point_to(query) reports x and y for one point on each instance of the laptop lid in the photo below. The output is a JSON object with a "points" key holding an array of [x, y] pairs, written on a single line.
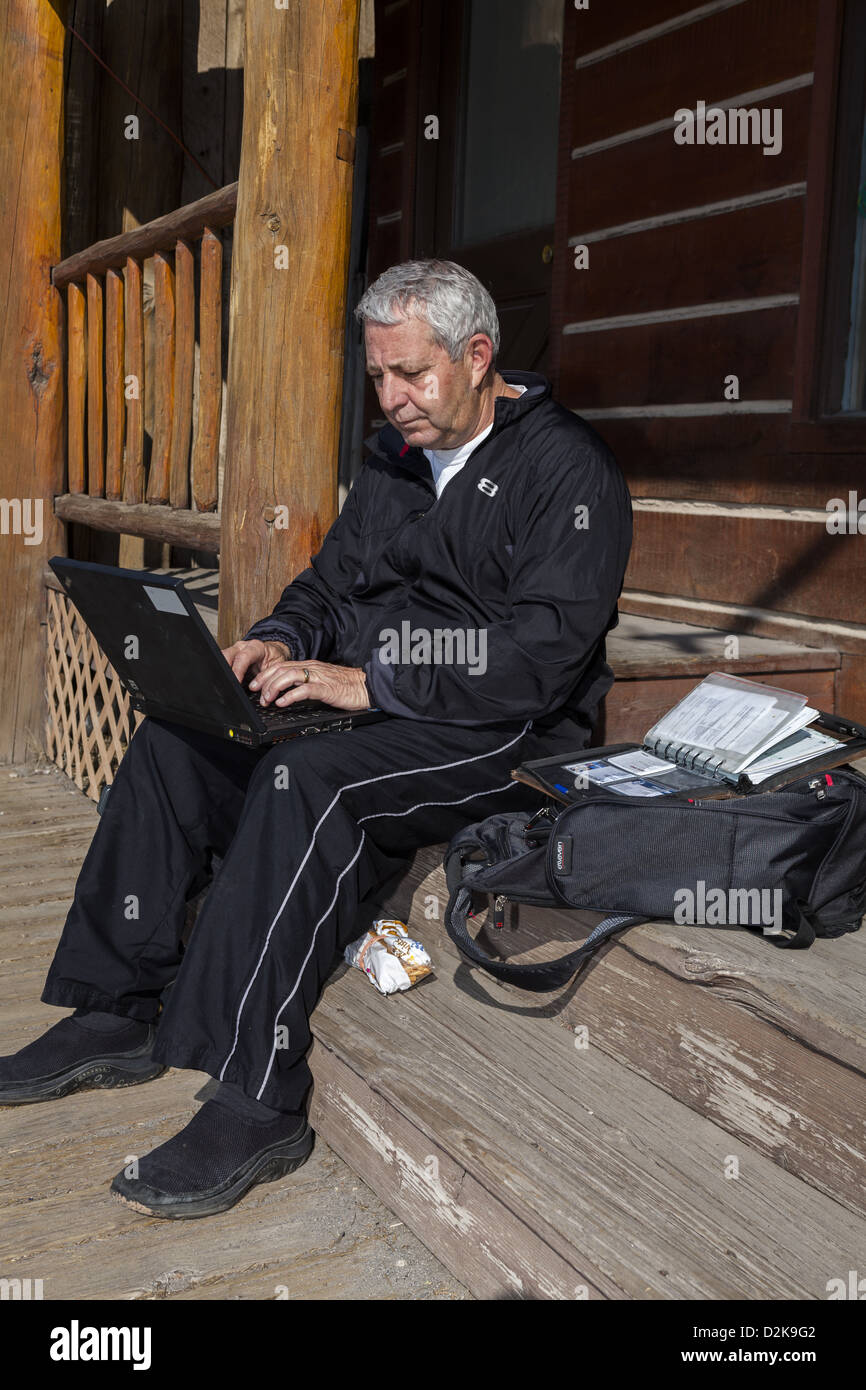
{"points": [[157, 641]]}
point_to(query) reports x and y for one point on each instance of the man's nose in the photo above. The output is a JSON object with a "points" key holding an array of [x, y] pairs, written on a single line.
{"points": [[393, 393]]}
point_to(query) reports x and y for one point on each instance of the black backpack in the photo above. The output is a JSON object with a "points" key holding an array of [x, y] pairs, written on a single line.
{"points": [[797, 855]]}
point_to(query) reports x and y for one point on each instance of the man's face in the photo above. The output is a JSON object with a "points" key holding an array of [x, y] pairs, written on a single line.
{"points": [[431, 400]]}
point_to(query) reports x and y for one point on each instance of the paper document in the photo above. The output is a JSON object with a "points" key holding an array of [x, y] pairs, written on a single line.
{"points": [[805, 743], [732, 719]]}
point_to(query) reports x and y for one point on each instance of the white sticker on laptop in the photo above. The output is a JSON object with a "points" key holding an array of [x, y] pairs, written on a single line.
{"points": [[166, 600]]}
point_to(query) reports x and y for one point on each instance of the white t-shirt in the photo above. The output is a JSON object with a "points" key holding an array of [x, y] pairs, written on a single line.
{"points": [[446, 463]]}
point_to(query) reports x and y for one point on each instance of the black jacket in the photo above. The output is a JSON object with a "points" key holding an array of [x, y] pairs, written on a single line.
{"points": [[527, 544]]}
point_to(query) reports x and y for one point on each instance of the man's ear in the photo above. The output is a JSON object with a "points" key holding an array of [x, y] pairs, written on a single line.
{"points": [[479, 357]]}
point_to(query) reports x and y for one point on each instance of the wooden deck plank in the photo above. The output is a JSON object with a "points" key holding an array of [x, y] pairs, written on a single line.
{"points": [[458, 1217], [42, 849], [25, 880], [28, 895]]}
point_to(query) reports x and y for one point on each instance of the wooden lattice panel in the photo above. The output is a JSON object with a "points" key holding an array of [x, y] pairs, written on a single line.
{"points": [[89, 718]]}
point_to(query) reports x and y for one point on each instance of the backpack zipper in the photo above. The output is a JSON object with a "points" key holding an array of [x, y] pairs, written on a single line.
{"points": [[534, 832]]}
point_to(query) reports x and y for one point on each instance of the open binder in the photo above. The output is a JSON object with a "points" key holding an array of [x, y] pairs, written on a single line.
{"points": [[727, 737]]}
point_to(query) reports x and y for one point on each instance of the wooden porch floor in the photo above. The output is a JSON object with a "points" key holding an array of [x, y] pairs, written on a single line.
{"points": [[321, 1234], [530, 1166]]}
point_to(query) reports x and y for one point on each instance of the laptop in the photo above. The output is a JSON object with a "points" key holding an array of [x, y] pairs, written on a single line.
{"points": [[170, 663]]}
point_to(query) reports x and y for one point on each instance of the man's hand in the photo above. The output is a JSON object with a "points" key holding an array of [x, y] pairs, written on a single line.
{"points": [[282, 681], [248, 658]]}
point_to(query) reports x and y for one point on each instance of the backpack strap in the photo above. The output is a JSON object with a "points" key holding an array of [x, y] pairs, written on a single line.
{"points": [[805, 933], [549, 974]]}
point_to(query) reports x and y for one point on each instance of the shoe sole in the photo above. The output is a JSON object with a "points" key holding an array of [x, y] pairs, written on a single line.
{"points": [[262, 1168], [98, 1074]]}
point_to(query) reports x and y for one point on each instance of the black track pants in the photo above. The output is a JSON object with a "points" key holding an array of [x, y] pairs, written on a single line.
{"points": [[306, 829]]}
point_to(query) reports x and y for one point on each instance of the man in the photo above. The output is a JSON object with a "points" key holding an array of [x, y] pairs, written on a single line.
{"points": [[465, 589]]}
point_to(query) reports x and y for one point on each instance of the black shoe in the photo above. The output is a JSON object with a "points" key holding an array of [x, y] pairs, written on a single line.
{"points": [[211, 1164], [72, 1057]]}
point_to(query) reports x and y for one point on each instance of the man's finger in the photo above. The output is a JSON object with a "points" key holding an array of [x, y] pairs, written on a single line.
{"points": [[263, 672], [271, 685], [231, 654], [246, 660], [307, 690]]}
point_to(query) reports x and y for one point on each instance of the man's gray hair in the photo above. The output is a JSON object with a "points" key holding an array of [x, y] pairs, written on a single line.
{"points": [[443, 294]]}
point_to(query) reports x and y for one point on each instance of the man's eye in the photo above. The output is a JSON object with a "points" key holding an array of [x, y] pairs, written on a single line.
{"points": [[377, 378]]}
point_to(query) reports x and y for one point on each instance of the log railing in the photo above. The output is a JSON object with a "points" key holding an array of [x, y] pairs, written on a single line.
{"points": [[165, 487]]}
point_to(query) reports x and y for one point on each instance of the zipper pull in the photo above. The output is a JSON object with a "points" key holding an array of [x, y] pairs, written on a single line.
{"points": [[499, 911], [535, 832]]}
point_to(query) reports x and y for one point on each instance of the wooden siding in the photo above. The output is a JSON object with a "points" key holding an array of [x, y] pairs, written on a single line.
{"points": [[696, 272]]}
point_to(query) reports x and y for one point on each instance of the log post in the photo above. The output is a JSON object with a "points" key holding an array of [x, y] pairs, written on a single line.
{"points": [[31, 356], [289, 269]]}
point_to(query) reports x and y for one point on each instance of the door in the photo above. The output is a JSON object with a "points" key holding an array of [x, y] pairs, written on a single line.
{"points": [[487, 197]]}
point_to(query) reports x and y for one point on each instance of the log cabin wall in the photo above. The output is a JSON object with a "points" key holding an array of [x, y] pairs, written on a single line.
{"points": [[703, 262]]}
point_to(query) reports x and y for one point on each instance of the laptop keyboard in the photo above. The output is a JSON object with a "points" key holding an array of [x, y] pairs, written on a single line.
{"points": [[295, 714]]}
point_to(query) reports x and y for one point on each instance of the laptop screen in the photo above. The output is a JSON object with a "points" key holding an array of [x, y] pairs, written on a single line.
{"points": [[155, 640]]}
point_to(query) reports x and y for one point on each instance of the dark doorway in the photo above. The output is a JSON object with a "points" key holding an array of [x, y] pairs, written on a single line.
{"points": [[486, 189]]}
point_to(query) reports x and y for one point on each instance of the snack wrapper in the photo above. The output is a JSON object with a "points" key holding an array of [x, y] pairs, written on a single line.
{"points": [[389, 956]]}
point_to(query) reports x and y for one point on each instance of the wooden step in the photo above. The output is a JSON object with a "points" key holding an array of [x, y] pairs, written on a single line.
{"points": [[656, 662], [535, 1167]]}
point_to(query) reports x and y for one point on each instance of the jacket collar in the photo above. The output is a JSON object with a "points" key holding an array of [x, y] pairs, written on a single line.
{"points": [[390, 445]]}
